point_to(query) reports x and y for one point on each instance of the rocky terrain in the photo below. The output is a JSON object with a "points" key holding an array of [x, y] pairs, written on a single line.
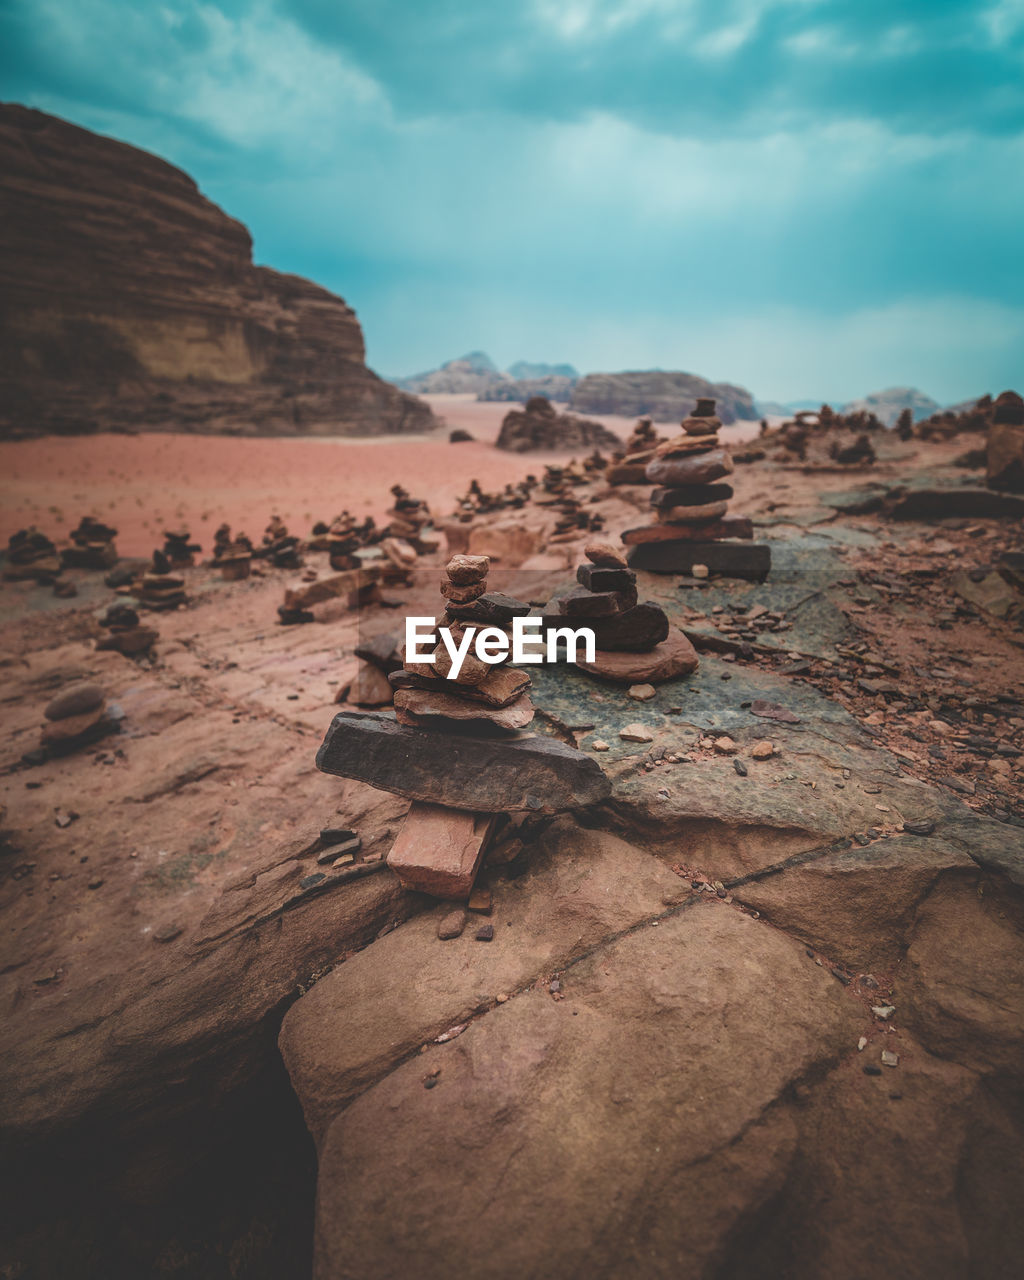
{"points": [[756, 1013], [663, 396], [128, 300], [539, 426], [888, 405]]}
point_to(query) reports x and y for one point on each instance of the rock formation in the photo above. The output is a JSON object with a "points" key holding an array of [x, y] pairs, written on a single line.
{"points": [[130, 301], [692, 533], [539, 426], [888, 405], [663, 396], [473, 372], [634, 642]]}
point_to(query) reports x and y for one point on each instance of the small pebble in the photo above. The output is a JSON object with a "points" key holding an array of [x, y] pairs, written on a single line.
{"points": [[485, 933], [599, 744], [740, 768]]}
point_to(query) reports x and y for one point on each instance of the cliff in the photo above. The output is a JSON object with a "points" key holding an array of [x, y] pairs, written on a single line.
{"points": [[663, 396], [130, 301]]}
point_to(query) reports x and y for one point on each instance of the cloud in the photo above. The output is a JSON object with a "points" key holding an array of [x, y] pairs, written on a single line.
{"points": [[695, 182]]}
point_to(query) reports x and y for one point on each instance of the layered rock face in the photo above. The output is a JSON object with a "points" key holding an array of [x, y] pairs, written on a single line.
{"points": [[665, 397], [129, 300]]}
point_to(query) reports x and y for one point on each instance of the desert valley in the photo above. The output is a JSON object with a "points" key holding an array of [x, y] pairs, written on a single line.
{"points": [[702, 957]]}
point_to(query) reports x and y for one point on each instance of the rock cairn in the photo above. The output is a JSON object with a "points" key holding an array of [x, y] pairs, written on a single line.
{"points": [[378, 657], [634, 641], [125, 633], [179, 548], [233, 556], [692, 530], [629, 464], [160, 589], [31, 556], [455, 748], [409, 518], [77, 716], [93, 546], [483, 696], [279, 546]]}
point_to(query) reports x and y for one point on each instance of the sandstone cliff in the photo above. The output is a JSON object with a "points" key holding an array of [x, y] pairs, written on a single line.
{"points": [[663, 396], [129, 300]]}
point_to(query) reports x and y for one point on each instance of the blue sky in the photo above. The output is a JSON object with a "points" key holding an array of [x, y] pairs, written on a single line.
{"points": [[812, 198]]}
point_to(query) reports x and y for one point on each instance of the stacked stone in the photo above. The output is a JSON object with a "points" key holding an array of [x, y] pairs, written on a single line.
{"points": [[454, 750], [343, 540], [77, 716], [409, 518], [629, 466], [691, 502], [160, 589], [180, 551], [93, 546], [232, 556], [484, 697], [125, 634], [31, 556], [279, 546]]}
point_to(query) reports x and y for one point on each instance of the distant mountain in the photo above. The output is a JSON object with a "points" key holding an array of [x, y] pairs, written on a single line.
{"points": [[663, 396], [888, 405], [477, 372], [523, 370], [473, 372]]}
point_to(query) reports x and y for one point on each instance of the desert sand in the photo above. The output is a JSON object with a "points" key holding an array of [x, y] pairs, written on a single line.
{"points": [[145, 483]]}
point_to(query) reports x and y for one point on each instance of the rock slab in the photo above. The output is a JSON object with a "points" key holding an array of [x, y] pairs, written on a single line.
{"points": [[484, 775], [439, 850]]}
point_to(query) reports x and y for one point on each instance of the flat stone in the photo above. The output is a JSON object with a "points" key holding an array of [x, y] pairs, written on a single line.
{"points": [[691, 495], [421, 706], [493, 609], [381, 650], [636, 733], [693, 515], [581, 603], [489, 775], [438, 850], [728, 559], [673, 657], [641, 692], [75, 700], [71, 728], [502, 686], [129, 640], [729, 527], [701, 468], [485, 933], [597, 578], [465, 594]]}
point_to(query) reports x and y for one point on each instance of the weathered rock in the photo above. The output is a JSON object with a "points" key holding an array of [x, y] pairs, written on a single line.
{"points": [[1004, 466], [693, 515], [858, 905], [636, 629], [961, 985], [72, 731], [729, 527], [581, 602], [481, 774], [370, 688], [540, 426], [604, 555], [701, 468], [751, 560], [439, 850], [673, 656], [76, 700], [463, 570], [424, 706], [687, 1171], [492, 609], [599, 579], [665, 396], [691, 495], [183, 331], [361, 1020], [503, 685]]}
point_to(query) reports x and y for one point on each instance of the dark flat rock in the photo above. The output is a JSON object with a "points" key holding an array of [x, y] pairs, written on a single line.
{"points": [[750, 560], [633, 630], [597, 578], [493, 609], [486, 775], [727, 527], [691, 495], [973, 503]]}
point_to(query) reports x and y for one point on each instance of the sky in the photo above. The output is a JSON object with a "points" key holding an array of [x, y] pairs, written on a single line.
{"points": [[810, 198]]}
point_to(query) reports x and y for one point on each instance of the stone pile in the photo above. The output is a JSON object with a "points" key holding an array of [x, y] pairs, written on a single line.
{"points": [[179, 549], [634, 642], [279, 546], [159, 588], [629, 465], [125, 634], [692, 530], [233, 556], [860, 452], [455, 748], [92, 546], [484, 697], [31, 556], [77, 716]]}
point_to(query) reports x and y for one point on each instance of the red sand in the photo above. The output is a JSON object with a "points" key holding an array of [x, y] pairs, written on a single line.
{"points": [[143, 484]]}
